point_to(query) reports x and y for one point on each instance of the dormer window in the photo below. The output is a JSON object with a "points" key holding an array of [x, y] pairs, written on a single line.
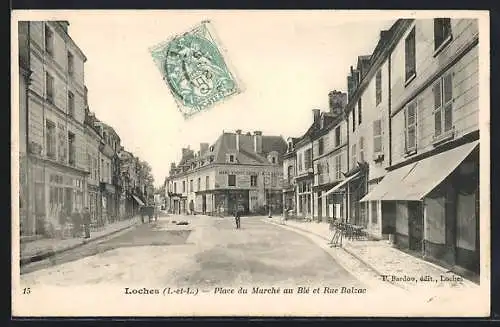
{"points": [[273, 160], [231, 158], [211, 148]]}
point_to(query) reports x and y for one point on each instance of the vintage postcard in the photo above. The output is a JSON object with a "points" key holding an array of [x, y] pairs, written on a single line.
{"points": [[349, 176]]}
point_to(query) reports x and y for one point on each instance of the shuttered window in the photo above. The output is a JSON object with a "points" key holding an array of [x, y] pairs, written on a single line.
{"points": [[411, 126], [377, 136], [443, 105], [410, 66], [442, 31], [378, 88]]}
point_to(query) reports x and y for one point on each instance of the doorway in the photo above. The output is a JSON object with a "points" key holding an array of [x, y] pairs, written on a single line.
{"points": [[204, 204], [320, 206], [416, 225]]}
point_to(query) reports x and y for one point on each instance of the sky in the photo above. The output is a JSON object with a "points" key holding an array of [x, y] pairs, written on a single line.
{"points": [[285, 62]]}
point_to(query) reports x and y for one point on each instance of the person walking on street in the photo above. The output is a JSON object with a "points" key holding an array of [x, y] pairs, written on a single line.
{"points": [[237, 218], [86, 221]]}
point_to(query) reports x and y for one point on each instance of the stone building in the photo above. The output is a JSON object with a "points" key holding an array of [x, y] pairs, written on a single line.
{"points": [[289, 171], [110, 191], [93, 139], [239, 171], [430, 192], [367, 114], [330, 161], [54, 108], [130, 182], [316, 162]]}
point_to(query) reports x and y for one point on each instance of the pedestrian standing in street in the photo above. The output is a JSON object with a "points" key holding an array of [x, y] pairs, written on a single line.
{"points": [[76, 219], [191, 207], [86, 221], [237, 218]]}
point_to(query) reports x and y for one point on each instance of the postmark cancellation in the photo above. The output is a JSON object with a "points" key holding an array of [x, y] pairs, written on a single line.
{"points": [[195, 69]]}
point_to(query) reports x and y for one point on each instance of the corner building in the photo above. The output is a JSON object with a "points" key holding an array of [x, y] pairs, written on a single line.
{"points": [[55, 113], [239, 171]]}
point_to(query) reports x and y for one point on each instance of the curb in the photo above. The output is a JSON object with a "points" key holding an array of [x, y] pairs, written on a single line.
{"points": [[51, 253], [346, 249], [357, 257]]}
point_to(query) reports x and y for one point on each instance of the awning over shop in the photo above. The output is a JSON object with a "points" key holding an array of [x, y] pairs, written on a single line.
{"points": [[339, 185], [139, 201], [413, 182]]}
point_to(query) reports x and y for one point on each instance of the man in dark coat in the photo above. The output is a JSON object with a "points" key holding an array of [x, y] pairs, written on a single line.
{"points": [[237, 218], [86, 221]]}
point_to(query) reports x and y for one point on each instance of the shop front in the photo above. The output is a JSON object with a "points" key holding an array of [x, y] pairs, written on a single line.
{"points": [[108, 203], [57, 191], [289, 201], [435, 202], [93, 202], [229, 200]]}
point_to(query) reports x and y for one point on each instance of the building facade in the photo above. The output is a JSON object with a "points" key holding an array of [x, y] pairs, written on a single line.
{"points": [[410, 137], [67, 157], [129, 181], [110, 192], [238, 172], [367, 114], [289, 173], [329, 160], [434, 146], [26, 218], [56, 165], [93, 139], [316, 162]]}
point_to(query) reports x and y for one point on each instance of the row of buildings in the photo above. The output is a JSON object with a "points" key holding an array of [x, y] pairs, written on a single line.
{"points": [[239, 171], [397, 154], [68, 158]]}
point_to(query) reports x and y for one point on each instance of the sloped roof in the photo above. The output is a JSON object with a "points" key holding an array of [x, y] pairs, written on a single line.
{"points": [[226, 143]]}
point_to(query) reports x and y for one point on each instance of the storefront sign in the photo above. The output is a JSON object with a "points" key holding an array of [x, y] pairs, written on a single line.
{"points": [[236, 172], [248, 172]]}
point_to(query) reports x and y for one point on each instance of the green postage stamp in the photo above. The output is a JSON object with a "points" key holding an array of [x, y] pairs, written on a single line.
{"points": [[195, 70]]}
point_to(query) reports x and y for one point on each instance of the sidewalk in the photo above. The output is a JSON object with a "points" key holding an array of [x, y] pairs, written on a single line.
{"points": [[43, 248], [386, 260]]}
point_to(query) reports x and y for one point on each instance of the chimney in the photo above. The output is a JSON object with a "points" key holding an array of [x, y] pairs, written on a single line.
{"points": [[316, 113], [257, 141], [337, 101], [238, 133], [203, 148]]}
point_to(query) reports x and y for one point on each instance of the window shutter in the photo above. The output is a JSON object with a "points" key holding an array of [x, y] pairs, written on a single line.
{"points": [[405, 148]]}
